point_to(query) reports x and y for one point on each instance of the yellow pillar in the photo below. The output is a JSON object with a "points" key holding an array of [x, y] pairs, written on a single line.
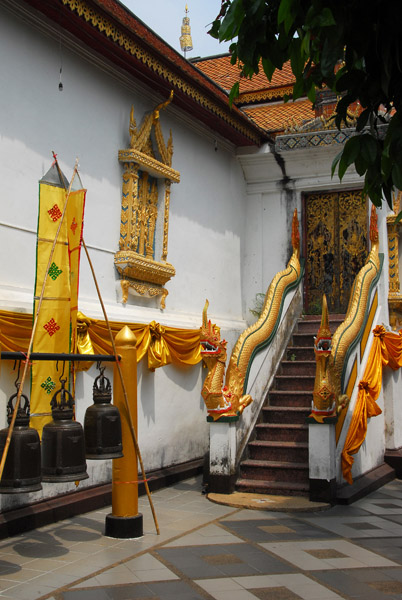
{"points": [[125, 521]]}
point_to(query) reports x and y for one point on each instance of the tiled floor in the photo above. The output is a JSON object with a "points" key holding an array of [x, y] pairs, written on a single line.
{"points": [[210, 551]]}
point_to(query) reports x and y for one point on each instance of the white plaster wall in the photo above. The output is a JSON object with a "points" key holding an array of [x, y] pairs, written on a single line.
{"points": [[90, 119]]}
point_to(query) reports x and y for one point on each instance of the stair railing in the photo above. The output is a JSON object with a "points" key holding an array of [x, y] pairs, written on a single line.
{"points": [[345, 363], [357, 325]]}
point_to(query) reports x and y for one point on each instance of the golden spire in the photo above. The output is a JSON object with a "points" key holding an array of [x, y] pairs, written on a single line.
{"points": [[186, 43]]}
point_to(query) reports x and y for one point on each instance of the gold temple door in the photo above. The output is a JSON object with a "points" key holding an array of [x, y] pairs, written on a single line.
{"points": [[335, 248]]}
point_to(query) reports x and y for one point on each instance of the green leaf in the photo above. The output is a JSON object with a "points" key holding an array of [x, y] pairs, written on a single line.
{"points": [[326, 18], [214, 31], [360, 165], [362, 119], [311, 95], [305, 45], [351, 150], [335, 162], [268, 67], [331, 53], [298, 88], [230, 24], [296, 57], [285, 14], [234, 93], [386, 165], [369, 147]]}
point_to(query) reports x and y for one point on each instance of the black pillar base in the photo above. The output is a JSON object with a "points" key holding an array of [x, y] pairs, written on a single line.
{"points": [[393, 458], [221, 484], [124, 527], [322, 490]]}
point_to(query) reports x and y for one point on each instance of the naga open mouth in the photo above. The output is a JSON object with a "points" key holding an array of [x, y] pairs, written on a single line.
{"points": [[208, 348]]}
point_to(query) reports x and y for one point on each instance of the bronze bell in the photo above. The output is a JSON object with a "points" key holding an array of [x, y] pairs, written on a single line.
{"points": [[102, 425], [63, 444], [22, 469]]}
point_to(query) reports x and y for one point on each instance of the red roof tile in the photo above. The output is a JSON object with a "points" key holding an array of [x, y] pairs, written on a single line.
{"points": [[226, 75], [277, 117]]}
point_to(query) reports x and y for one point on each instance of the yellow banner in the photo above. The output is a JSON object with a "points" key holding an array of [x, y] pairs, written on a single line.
{"points": [[58, 313]]}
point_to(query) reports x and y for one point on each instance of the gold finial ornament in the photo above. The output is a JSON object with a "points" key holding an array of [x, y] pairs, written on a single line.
{"points": [[186, 43]]}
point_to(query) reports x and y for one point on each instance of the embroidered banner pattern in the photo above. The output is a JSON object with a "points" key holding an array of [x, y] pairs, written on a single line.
{"points": [[57, 322]]}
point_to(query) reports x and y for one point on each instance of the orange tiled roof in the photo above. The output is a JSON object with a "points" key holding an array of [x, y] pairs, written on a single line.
{"points": [[277, 117], [226, 75]]}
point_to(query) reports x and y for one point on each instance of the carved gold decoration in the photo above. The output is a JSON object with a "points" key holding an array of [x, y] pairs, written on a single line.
{"points": [[324, 398], [394, 295], [149, 164], [132, 265], [347, 332], [142, 173], [336, 225], [269, 94], [143, 289], [166, 220], [109, 29], [229, 400]]}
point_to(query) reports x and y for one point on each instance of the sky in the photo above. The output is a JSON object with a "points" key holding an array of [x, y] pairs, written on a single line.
{"points": [[165, 18]]}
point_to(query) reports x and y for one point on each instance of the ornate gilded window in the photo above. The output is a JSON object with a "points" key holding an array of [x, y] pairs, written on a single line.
{"points": [[147, 177]]}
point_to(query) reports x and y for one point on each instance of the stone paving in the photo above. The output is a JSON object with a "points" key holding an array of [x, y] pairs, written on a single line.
{"points": [[212, 551]]}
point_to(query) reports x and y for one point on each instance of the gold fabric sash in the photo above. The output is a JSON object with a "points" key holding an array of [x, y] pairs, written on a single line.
{"points": [[386, 349], [163, 345]]}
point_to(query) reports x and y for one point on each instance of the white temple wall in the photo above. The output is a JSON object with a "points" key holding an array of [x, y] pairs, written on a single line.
{"points": [[89, 119]]}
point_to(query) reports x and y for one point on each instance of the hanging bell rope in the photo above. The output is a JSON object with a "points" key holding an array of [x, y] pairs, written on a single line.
{"points": [[35, 323]]}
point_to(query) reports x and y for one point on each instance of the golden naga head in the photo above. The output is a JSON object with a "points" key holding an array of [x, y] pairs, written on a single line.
{"points": [[210, 337], [323, 340]]}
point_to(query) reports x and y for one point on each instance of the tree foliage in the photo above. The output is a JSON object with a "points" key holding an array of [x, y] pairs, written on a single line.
{"points": [[352, 47]]}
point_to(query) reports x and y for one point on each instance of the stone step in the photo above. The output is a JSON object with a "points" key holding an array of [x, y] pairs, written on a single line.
{"points": [[288, 451], [280, 432], [297, 367], [272, 488], [311, 323], [290, 398], [270, 470], [303, 339], [296, 353], [285, 414], [294, 382]]}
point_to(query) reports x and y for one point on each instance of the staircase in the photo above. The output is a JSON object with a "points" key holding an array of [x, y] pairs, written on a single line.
{"points": [[277, 455]]}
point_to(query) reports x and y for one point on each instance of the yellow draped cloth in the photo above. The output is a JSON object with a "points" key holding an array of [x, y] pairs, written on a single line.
{"points": [[163, 345], [386, 350]]}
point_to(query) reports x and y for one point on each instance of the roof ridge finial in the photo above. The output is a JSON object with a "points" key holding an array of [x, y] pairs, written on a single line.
{"points": [[186, 43]]}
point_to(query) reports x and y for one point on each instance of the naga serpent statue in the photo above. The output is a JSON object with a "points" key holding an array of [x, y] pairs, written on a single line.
{"points": [[229, 399], [324, 407], [329, 403]]}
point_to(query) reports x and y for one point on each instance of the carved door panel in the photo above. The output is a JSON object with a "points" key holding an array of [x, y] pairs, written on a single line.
{"points": [[335, 247]]}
